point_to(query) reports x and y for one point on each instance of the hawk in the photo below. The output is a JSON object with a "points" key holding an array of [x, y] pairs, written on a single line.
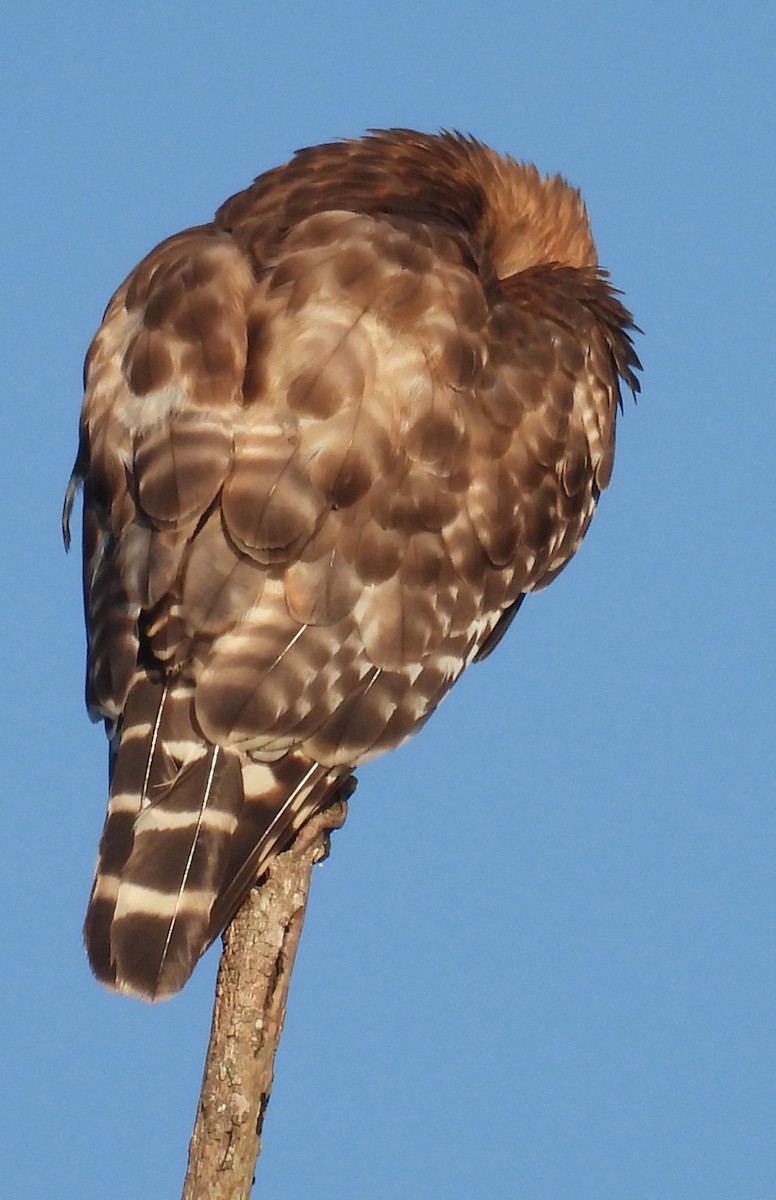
{"points": [[329, 442]]}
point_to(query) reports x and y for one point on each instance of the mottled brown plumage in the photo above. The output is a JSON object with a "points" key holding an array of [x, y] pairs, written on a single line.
{"points": [[329, 442]]}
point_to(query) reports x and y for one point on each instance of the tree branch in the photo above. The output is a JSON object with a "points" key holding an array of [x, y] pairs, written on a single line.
{"points": [[250, 1005]]}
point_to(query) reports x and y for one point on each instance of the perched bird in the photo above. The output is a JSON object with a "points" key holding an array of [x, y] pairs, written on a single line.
{"points": [[329, 442]]}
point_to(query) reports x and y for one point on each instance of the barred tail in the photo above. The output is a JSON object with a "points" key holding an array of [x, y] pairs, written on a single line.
{"points": [[190, 826]]}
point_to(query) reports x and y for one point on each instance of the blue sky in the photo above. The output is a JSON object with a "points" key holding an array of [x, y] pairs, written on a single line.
{"points": [[540, 962]]}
